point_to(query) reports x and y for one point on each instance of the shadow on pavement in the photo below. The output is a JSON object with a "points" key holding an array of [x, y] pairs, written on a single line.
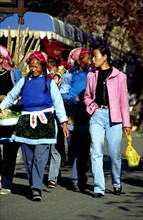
{"points": [[130, 176], [20, 189]]}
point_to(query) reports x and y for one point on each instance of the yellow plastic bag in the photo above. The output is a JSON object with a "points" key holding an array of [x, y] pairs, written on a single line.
{"points": [[132, 156]]}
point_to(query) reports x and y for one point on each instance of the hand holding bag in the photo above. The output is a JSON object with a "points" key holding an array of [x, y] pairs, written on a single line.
{"points": [[131, 154]]}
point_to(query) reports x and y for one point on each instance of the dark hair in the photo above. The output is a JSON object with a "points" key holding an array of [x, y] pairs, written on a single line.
{"points": [[57, 61], [104, 49]]}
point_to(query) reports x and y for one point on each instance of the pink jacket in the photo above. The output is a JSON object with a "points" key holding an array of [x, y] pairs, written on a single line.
{"points": [[118, 96]]}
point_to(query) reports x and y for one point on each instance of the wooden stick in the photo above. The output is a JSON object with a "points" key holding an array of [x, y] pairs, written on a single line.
{"points": [[9, 40], [16, 52], [32, 42], [37, 45], [12, 43], [23, 45]]}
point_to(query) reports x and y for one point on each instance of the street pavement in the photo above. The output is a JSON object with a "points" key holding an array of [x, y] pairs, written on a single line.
{"points": [[64, 204]]}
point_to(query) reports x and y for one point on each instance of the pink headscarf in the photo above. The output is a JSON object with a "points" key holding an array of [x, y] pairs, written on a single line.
{"points": [[38, 55], [7, 63], [76, 54]]}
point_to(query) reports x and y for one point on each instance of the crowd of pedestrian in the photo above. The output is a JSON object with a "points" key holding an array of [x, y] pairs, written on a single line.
{"points": [[84, 103]]}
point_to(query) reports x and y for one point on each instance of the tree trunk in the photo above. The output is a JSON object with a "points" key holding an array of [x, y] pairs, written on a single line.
{"points": [[107, 32]]}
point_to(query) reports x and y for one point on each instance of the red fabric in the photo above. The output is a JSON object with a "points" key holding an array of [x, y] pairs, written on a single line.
{"points": [[53, 48], [50, 76], [76, 54], [38, 55]]}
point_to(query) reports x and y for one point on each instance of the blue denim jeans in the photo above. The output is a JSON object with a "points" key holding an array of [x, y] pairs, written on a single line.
{"points": [[55, 163], [100, 125], [74, 172]]}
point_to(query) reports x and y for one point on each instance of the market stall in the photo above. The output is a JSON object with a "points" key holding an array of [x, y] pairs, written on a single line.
{"points": [[36, 27]]}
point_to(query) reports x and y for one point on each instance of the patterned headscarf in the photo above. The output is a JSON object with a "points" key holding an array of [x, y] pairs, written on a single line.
{"points": [[7, 63], [76, 54], [43, 57], [38, 55]]}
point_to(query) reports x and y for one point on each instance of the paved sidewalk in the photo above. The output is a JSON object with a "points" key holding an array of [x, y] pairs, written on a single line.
{"points": [[64, 204]]}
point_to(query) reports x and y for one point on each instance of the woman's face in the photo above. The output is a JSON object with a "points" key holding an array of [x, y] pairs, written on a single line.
{"points": [[98, 59], [85, 62], [35, 67], [1, 59], [53, 66]]}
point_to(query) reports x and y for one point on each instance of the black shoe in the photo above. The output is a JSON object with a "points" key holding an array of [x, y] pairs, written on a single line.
{"points": [[97, 195], [118, 190], [75, 188], [83, 190], [36, 195], [52, 184]]}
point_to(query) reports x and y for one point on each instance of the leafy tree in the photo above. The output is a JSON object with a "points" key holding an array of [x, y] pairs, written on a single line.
{"points": [[116, 20], [104, 16]]}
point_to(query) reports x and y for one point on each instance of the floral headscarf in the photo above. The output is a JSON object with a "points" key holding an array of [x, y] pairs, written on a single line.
{"points": [[7, 63]]}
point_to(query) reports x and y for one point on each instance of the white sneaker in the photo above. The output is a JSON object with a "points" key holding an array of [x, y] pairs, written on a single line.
{"points": [[5, 191]]}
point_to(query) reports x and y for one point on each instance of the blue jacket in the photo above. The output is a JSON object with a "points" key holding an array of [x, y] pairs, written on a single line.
{"points": [[73, 84], [16, 75]]}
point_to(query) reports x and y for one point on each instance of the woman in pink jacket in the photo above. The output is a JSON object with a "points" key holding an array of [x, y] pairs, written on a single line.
{"points": [[106, 99]]}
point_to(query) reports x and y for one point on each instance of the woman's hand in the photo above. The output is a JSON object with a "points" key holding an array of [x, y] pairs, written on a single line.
{"points": [[96, 110], [65, 130], [127, 130], [2, 97], [77, 99]]}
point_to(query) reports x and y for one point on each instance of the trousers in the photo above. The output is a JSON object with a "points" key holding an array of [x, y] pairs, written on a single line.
{"points": [[99, 127], [8, 163], [35, 159], [55, 163]]}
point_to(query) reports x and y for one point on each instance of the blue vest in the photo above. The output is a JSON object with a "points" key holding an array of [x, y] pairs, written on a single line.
{"points": [[33, 96]]}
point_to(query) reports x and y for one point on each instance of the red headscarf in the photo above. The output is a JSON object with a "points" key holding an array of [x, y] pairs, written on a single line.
{"points": [[7, 63], [38, 55], [76, 54]]}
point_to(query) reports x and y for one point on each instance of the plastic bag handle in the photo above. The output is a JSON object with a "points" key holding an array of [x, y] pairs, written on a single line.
{"points": [[129, 138]]}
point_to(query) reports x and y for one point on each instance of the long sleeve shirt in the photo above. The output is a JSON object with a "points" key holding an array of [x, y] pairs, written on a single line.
{"points": [[57, 101]]}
